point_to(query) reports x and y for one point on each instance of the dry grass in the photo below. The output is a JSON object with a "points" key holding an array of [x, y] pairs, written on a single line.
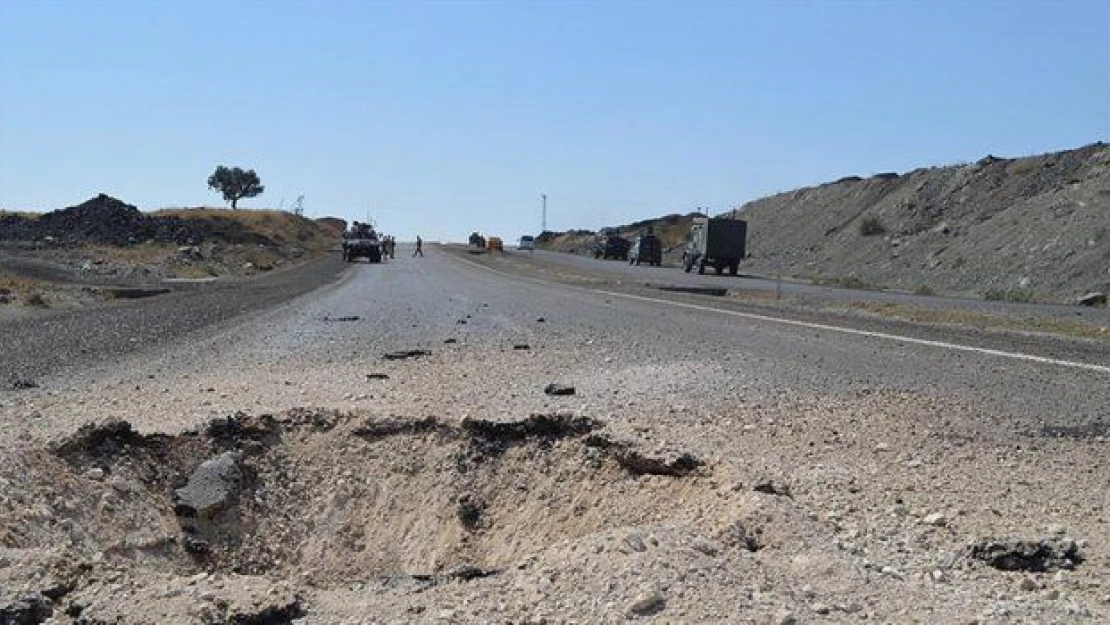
{"points": [[23, 214], [283, 228], [18, 290]]}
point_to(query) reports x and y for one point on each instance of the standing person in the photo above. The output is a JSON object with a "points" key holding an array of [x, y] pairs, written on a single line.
{"points": [[419, 248]]}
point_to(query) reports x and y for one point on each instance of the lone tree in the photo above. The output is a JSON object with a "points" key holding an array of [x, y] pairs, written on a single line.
{"points": [[235, 183]]}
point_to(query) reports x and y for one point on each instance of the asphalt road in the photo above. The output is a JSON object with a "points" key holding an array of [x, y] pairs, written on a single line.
{"points": [[807, 291], [628, 344], [63, 341]]}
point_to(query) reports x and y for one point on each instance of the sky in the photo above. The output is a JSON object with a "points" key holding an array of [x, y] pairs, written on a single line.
{"points": [[443, 118]]}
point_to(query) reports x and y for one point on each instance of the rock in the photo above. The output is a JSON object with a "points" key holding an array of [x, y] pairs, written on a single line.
{"points": [[95, 473], [1027, 584], [1035, 556], [450, 341], [770, 487], [541, 320], [1056, 529], [708, 546], [558, 389], [190, 252], [820, 608], [522, 347], [935, 519], [23, 384], [212, 488], [408, 353], [786, 617], [635, 541], [377, 376], [647, 604], [29, 609], [1094, 298]]}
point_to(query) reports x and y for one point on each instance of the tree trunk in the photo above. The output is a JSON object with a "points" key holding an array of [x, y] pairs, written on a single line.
{"points": [[234, 201]]}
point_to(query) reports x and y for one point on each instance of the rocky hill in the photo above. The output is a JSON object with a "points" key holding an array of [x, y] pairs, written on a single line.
{"points": [[1036, 228], [52, 259]]}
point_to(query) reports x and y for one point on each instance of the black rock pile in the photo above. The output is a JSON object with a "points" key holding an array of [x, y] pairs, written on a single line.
{"points": [[103, 220]]}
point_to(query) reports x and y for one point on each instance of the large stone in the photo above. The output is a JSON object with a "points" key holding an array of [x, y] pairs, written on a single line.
{"points": [[648, 603], [1035, 556], [212, 488]]}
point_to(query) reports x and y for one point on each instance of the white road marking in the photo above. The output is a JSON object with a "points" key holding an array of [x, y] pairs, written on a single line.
{"points": [[881, 335], [822, 326]]}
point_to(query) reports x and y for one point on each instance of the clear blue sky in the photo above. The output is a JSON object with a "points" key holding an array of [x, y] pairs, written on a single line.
{"points": [[445, 117]]}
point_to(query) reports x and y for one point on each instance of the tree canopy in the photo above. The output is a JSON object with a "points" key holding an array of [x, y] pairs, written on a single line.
{"points": [[235, 183]]}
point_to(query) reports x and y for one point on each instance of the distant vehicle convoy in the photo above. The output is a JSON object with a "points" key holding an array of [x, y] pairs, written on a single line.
{"points": [[717, 242]]}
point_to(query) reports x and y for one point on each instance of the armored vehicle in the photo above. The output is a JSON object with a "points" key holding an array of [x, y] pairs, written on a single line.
{"points": [[647, 248], [362, 242], [715, 242]]}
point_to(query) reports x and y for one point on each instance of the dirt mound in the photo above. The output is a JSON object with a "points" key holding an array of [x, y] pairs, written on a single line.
{"points": [[101, 220], [1031, 228], [1027, 228], [327, 498]]}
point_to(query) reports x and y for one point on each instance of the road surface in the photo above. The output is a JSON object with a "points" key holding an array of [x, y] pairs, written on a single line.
{"points": [[845, 469]]}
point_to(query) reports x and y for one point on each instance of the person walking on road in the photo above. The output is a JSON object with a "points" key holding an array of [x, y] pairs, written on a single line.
{"points": [[419, 248]]}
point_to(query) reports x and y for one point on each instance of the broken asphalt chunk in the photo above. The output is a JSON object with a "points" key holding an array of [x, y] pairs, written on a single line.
{"points": [[558, 389], [406, 353], [1035, 556]]}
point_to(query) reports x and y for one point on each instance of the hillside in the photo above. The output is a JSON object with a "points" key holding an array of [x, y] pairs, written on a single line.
{"points": [[54, 259], [1036, 227]]}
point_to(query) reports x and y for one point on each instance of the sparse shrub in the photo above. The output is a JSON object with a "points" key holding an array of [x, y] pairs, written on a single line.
{"points": [[924, 289], [871, 226], [36, 299], [1008, 295]]}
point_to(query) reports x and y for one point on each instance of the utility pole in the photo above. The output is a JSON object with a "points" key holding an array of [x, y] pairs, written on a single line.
{"points": [[543, 213]]}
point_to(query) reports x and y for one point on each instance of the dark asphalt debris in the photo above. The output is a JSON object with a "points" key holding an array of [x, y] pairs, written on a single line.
{"points": [[558, 389]]}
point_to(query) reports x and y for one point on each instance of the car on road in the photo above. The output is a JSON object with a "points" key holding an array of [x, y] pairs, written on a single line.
{"points": [[646, 248], [527, 242]]}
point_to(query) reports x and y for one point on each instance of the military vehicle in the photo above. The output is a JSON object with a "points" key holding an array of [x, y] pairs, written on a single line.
{"points": [[715, 242], [361, 241], [647, 248], [608, 244]]}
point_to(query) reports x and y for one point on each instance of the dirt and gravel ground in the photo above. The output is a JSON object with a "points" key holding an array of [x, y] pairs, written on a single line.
{"points": [[707, 468]]}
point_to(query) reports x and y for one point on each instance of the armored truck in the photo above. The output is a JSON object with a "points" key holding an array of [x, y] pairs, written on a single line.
{"points": [[647, 248], [361, 241], [715, 242]]}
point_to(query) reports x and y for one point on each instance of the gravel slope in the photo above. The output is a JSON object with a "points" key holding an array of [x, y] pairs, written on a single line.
{"points": [[843, 478]]}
